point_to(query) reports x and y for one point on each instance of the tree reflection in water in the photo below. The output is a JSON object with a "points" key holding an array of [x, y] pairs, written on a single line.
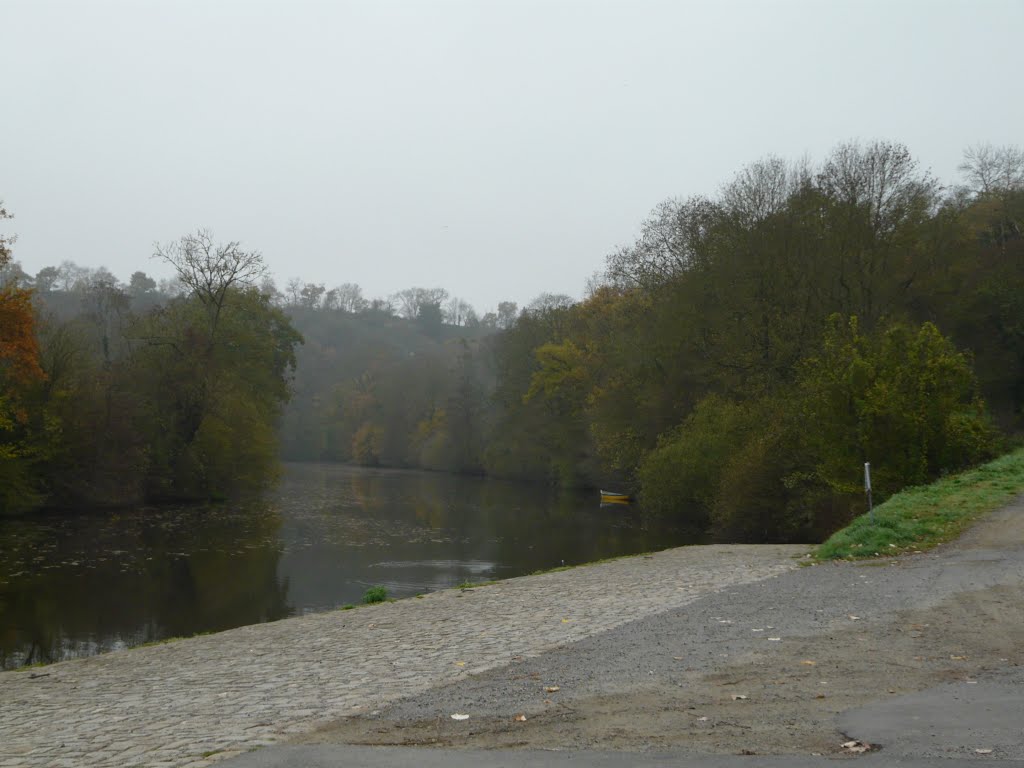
{"points": [[80, 584], [76, 585]]}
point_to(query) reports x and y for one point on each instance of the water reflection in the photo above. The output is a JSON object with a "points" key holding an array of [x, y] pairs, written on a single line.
{"points": [[79, 585], [83, 584]]}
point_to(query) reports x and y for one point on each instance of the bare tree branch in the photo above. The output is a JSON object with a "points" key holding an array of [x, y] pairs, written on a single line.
{"points": [[210, 270]]}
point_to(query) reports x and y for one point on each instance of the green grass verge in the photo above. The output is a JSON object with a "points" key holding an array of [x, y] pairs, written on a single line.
{"points": [[924, 516]]}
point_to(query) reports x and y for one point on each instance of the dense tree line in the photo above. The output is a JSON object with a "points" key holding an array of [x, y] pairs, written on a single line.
{"points": [[740, 362], [112, 394], [177, 389], [735, 366]]}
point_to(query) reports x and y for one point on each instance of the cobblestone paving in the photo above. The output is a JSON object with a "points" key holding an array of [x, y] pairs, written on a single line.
{"points": [[196, 701]]}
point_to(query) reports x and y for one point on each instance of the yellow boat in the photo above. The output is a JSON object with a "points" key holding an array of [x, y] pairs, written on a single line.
{"points": [[611, 497]]}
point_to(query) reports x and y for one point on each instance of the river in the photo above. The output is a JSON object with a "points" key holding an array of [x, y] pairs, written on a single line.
{"points": [[80, 584]]}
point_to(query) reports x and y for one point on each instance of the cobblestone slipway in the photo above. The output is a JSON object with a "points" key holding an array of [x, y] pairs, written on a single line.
{"points": [[193, 702]]}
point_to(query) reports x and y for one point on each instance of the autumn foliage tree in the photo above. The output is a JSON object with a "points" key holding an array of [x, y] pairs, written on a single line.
{"points": [[19, 371]]}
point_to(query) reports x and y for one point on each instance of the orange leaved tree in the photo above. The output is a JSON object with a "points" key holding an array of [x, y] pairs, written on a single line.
{"points": [[19, 370]]}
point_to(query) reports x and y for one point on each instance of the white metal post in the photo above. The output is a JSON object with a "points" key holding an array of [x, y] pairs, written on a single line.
{"points": [[867, 489]]}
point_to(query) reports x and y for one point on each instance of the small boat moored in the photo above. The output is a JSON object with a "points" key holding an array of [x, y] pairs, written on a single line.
{"points": [[611, 497]]}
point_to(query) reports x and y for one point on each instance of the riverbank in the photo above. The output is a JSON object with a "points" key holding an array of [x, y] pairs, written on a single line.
{"points": [[786, 666], [81, 584], [196, 701], [922, 517]]}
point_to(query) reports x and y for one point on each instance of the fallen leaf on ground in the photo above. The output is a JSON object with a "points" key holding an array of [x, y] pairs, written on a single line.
{"points": [[854, 618], [702, 719], [566, 621], [551, 689], [520, 718], [458, 716], [983, 751], [738, 697], [808, 662], [774, 639], [460, 663], [958, 658]]}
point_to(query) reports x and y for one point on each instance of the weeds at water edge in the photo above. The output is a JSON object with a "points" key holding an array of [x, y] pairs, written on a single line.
{"points": [[375, 595]]}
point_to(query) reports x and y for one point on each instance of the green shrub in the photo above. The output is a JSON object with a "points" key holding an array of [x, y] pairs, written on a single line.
{"points": [[683, 473], [903, 398], [375, 595]]}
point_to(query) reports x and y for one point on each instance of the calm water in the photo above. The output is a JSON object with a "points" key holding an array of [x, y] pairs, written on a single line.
{"points": [[83, 584]]}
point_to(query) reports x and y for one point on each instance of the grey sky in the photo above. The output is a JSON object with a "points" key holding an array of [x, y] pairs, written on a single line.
{"points": [[496, 149]]}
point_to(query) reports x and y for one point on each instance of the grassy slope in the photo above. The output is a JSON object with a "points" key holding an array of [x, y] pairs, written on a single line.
{"points": [[922, 517]]}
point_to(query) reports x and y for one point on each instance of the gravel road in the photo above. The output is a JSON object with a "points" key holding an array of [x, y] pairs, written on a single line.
{"points": [[920, 656]]}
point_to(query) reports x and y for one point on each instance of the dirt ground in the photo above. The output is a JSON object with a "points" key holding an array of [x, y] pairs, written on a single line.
{"points": [[728, 685]]}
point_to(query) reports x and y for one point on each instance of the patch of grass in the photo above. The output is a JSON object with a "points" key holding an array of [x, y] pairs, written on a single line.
{"points": [[375, 595], [348, 607], [474, 584], [925, 516]]}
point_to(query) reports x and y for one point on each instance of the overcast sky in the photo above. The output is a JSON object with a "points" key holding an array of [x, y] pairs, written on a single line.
{"points": [[496, 149]]}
